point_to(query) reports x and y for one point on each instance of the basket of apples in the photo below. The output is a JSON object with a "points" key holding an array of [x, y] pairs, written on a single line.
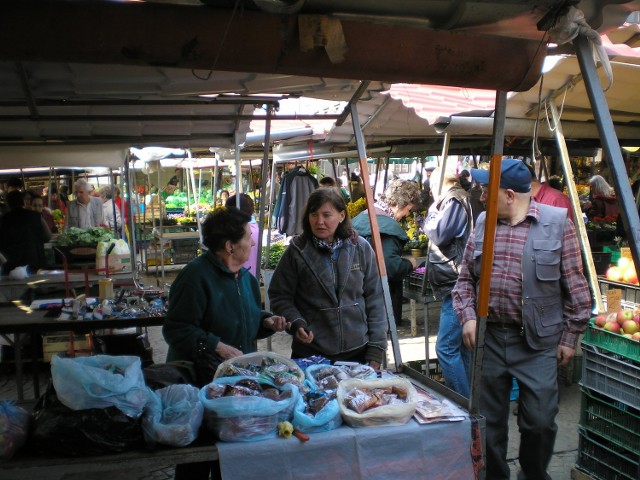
{"points": [[624, 271], [617, 332]]}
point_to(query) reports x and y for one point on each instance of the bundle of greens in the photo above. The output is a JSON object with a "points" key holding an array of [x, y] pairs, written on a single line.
{"points": [[84, 236]]}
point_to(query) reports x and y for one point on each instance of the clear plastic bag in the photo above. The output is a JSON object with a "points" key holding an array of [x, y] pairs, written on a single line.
{"points": [[14, 425], [397, 413], [267, 365], [99, 382], [329, 418], [246, 418], [173, 416], [320, 376]]}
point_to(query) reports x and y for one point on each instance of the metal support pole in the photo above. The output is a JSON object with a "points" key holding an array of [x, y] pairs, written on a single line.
{"points": [[592, 276], [375, 234], [238, 164], [610, 145], [264, 171]]}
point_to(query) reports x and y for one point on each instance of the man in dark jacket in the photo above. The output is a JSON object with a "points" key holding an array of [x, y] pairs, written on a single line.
{"points": [[448, 225]]}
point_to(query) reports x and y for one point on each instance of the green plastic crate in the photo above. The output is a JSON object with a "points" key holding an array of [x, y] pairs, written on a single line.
{"points": [[613, 420], [602, 460], [612, 342]]}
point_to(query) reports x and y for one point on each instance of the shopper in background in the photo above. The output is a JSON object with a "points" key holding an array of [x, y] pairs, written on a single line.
{"points": [[448, 225], [602, 199], [83, 212], [110, 213], [215, 306], [23, 234], [246, 205], [328, 286], [357, 188], [398, 200], [546, 194], [37, 205], [327, 182], [539, 303]]}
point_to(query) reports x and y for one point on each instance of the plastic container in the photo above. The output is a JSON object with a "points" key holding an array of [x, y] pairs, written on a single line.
{"points": [[601, 459], [625, 348], [613, 420], [105, 288], [611, 376]]}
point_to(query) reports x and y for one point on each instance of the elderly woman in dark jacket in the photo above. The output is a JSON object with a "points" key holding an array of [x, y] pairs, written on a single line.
{"points": [[327, 285], [215, 305], [398, 200]]}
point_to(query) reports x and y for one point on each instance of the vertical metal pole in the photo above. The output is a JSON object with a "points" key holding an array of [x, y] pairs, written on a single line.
{"points": [[487, 251], [264, 171], [592, 276], [238, 164], [445, 149], [375, 234], [610, 145]]}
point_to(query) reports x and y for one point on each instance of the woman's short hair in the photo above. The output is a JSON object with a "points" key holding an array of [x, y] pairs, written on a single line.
{"points": [[316, 200], [401, 193], [246, 203], [225, 223], [106, 192]]}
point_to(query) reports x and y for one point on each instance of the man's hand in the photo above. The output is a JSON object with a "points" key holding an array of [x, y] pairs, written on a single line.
{"points": [[304, 336], [375, 365], [564, 355], [469, 334], [275, 323]]}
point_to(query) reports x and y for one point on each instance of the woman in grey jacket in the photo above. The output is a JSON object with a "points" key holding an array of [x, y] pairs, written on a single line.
{"points": [[328, 286]]}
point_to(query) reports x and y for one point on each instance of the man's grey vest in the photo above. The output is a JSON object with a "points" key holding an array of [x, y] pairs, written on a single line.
{"points": [[542, 296]]}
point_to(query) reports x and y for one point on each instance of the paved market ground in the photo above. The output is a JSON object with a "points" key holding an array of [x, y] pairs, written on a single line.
{"points": [[412, 348]]}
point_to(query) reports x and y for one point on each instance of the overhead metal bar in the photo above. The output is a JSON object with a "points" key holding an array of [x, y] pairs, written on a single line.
{"points": [[375, 235], [362, 88], [182, 100], [26, 88], [610, 146], [155, 118]]}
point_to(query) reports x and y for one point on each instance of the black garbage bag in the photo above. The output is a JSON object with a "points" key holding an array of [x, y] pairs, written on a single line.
{"points": [[160, 375], [59, 430]]}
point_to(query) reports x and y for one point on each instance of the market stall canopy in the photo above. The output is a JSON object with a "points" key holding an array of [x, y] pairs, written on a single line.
{"points": [[188, 73], [61, 155]]}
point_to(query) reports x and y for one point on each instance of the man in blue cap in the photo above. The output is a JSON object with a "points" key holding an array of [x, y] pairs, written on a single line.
{"points": [[539, 302]]}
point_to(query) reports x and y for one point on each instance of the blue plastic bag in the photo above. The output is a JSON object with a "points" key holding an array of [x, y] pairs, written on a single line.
{"points": [[14, 423], [173, 416], [99, 382], [326, 419], [246, 418]]}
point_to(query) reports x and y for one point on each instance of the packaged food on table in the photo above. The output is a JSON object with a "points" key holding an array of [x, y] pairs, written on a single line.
{"points": [[327, 377], [265, 365], [316, 412], [376, 402]]}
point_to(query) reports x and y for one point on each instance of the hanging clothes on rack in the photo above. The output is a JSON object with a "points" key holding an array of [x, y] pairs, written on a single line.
{"points": [[295, 189]]}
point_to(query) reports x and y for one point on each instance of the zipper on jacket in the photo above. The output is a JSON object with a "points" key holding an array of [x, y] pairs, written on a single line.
{"points": [[244, 319]]}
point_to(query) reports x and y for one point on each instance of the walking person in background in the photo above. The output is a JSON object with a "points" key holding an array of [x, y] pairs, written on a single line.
{"points": [[246, 205], [539, 303], [398, 200], [448, 225], [602, 199], [37, 205], [110, 213]]}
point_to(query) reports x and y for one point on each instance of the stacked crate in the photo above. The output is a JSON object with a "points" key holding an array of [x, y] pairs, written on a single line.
{"points": [[609, 430], [185, 249]]}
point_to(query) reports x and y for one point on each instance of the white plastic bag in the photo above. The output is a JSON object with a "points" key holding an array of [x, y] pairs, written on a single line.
{"points": [[100, 381], [397, 414]]}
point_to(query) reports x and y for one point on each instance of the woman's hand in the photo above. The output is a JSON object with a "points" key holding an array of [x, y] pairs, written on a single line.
{"points": [[276, 323], [304, 336], [227, 351]]}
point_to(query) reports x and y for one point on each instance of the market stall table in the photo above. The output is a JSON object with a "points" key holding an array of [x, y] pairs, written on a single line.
{"points": [[17, 320]]}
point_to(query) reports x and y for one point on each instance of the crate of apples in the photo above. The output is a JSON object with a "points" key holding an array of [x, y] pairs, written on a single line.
{"points": [[623, 322], [623, 271]]}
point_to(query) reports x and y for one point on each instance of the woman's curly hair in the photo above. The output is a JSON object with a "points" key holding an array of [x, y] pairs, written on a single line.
{"points": [[224, 223], [400, 193]]}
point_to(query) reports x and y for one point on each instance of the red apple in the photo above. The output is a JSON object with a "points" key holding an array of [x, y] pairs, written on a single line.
{"points": [[613, 327], [614, 273], [636, 336], [624, 315], [601, 320], [636, 317], [630, 327]]}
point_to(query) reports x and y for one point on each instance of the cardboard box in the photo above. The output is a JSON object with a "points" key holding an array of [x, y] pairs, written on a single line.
{"points": [[117, 264], [61, 343]]}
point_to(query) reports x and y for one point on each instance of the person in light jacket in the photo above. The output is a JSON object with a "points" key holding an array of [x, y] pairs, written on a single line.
{"points": [[83, 212], [328, 287]]}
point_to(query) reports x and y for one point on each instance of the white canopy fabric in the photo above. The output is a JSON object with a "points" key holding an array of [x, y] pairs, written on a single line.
{"points": [[112, 156]]}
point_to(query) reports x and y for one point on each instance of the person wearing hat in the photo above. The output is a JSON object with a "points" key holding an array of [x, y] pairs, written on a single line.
{"points": [[539, 302]]}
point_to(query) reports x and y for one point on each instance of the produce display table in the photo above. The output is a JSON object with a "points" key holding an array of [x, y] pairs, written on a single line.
{"points": [[35, 322]]}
